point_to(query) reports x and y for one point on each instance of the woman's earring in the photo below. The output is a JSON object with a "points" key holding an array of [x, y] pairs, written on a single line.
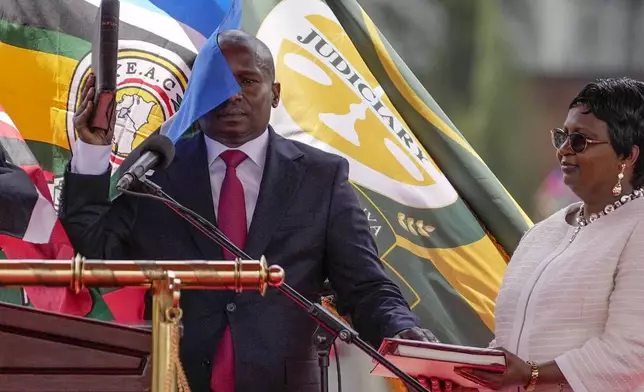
{"points": [[617, 189]]}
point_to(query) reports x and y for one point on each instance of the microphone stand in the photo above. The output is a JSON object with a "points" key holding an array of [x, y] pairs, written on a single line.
{"points": [[332, 326], [323, 341]]}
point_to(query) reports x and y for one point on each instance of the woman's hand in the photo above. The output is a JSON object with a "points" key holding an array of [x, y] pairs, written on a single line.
{"points": [[518, 373], [436, 385]]}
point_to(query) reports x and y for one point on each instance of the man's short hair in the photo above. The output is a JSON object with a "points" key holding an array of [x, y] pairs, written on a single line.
{"points": [[263, 55]]}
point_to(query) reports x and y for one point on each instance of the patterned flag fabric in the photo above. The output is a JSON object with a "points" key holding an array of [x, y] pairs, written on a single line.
{"points": [[211, 81], [22, 182], [29, 227], [443, 223], [424, 189]]}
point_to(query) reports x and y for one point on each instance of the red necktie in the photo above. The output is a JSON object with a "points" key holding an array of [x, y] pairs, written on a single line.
{"points": [[231, 219]]}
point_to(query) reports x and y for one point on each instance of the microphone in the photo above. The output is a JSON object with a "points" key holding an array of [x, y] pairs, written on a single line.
{"points": [[105, 48], [156, 151]]}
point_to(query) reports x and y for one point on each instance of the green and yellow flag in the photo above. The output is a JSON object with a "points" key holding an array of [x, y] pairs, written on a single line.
{"points": [[443, 223]]}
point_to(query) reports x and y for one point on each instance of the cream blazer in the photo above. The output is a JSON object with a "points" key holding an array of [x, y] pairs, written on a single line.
{"points": [[579, 300]]}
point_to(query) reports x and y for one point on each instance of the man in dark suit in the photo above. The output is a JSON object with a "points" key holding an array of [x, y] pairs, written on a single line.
{"points": [[272, 196]]}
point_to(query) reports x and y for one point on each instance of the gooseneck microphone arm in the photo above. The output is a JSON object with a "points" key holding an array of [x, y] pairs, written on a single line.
{"points": [[156, 151], [327, 320]]}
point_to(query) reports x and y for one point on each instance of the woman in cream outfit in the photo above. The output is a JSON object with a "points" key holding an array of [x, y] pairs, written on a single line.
{"points": [[570, 312]]}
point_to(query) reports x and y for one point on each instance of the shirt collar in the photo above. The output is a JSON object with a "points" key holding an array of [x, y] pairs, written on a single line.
{"points": [[255, 149]]}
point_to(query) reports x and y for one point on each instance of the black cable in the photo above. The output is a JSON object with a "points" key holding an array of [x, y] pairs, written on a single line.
{"points": [[337, 366], [214, 234], [193, 218]]}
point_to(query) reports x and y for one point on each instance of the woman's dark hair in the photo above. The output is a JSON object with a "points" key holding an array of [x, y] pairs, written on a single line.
{"points": [[620, 104]]}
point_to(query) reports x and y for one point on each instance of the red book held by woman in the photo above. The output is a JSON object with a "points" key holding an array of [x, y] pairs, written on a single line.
{"points": [[423, 359]]}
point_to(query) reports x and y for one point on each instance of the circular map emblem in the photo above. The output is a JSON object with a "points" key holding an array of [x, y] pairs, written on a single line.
{"points": [[150, 81]]}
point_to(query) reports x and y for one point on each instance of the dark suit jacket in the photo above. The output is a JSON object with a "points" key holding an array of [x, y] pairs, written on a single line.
{"points": [[307, 220]]}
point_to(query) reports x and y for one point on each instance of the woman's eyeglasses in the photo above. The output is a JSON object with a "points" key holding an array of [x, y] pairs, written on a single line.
{"points": [[578, 141]]}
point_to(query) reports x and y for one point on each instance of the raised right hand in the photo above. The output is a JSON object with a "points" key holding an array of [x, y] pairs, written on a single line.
{"points": [[84, 113]]}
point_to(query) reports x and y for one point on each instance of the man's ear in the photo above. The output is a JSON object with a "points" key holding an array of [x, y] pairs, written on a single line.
{"points": [[276, 88]]}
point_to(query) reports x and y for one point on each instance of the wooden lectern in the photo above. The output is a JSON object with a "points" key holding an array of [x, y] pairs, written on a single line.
{"points": [[44, 351]]}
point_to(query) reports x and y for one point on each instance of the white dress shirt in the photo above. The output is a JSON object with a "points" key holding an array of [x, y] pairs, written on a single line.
{"points": [[249, 172], [94, 160]]}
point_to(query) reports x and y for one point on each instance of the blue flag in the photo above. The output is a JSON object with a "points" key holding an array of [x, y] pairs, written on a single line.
{"points": [[211, 82], [202, 16]]}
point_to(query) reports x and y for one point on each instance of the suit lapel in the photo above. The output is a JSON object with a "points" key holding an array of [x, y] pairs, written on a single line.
{"points": [[282, 175], [190, 181]]}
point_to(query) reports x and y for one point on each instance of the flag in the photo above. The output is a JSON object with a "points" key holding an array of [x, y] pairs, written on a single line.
{"points": [[29, 226], [443, 223], [24, 187], [424, 189], [201, 17], [50, 43], [211, 81], [30, 229]]}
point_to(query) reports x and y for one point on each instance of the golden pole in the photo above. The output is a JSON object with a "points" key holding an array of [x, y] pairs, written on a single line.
{"points": [[163, 379], [235, 275]]}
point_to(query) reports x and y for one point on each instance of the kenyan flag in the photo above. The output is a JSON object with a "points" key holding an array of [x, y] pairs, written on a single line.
{"points": [[29, 229]]}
